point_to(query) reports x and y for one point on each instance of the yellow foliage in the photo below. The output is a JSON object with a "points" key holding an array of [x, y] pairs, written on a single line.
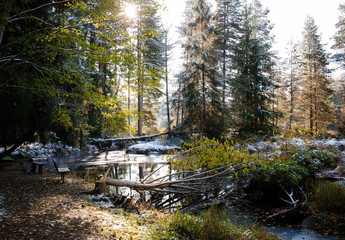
{"points": [[208, 154]]}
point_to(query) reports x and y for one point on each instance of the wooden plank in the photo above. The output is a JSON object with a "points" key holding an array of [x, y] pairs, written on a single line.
{"points": [[138, 138], [63, 169], [40, 162]]}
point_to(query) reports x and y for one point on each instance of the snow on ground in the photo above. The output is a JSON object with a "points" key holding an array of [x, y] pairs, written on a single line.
{"points": [[3, 211], [102, 200], [39, 150], [303, 144], [154, 146]]}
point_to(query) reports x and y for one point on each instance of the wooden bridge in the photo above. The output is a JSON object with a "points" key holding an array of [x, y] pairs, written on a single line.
{"points": [[105, 144]]}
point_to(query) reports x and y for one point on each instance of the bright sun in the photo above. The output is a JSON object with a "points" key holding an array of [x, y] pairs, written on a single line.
{"points": [[130, 10]]}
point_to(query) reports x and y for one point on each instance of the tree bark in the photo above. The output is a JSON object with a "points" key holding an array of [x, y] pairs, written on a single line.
{"points": [[4, 14], [167, 81], [140, 79], [17, 144]]}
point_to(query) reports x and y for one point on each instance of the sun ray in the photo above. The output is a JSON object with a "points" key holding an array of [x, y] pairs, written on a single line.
{"points": [[130, 10]]}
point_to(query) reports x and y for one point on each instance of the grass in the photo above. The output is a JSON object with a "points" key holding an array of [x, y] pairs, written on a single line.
{"points": [[210, 225], [329, 197]]}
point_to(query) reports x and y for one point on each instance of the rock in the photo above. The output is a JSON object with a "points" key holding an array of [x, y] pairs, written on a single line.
{"points": [[312, 222]]}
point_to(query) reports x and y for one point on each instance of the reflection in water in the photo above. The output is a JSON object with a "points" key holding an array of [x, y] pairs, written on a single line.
{"points": [[249, 216], [135, 172], [135, 167], [99, 158], [132, 167]]}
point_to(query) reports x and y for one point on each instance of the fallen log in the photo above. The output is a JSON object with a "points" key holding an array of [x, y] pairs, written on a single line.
{"points": [[177, 186], [103, 181], [199, 184]]}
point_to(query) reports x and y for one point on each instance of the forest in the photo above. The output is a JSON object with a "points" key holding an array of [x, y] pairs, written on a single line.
{"points": [[84, 69], [81, 70]]}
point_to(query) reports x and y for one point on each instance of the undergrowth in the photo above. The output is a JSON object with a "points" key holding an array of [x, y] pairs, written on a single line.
{"points": [[283, 164], [328, 197], [210, 225]]}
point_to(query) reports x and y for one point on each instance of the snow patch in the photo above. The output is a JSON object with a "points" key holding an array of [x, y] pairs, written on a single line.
{"points": [[102, 200], [154, 146], [39, 150], [302, 144], [3, 211]]}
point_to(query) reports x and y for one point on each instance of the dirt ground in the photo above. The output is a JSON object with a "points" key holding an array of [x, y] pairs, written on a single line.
{"points": [[41, 207]]}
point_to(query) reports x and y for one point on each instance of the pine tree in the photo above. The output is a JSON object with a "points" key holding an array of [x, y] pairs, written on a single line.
{"points": [[201, 87], [339, 37], [278, 103], [291, 83], [339, 57], [227, 20], [168, 47], [252, 86], [316, 92], [150, 63]]}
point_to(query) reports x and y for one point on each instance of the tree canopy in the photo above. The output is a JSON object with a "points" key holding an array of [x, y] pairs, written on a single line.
{"points": [[85, 69]]}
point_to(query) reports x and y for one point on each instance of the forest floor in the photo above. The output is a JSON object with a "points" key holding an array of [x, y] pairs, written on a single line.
{"points": [[39, 206]]}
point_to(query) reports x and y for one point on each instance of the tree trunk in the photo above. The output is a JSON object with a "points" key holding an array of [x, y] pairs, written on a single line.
{"points": [[178, 109], [4, 15], [103, 181], [2, 29], [140, 112], [167, 82], [129, 100], [140, 84], [17, 144]]}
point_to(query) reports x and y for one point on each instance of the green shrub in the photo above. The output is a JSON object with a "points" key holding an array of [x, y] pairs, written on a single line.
{"points": [[329, 197], [289, 166], [280, 172], [285, 166], [212, 225]]}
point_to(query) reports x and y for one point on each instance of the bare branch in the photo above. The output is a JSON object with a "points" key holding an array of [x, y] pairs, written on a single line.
{"points": [[292, 201], [33, 17], [34, 9]]}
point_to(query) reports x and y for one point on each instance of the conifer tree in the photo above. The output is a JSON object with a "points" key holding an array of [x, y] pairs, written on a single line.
{"points": [[316, 91], [201, 86], [339, 57], [150, 63], [252, 87], [168, 47], [291, 83], [339, 37], [227, 20]]}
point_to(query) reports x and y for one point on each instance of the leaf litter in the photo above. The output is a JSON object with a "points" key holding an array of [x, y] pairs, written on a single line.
{"points": [[38, 206]]}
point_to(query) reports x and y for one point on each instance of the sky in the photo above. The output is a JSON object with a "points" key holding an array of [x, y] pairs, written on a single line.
{"points": [[288, 17]]}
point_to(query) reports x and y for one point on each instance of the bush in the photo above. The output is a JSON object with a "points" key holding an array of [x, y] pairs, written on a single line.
{"points": [[284, 166], [211, 225], [207, 154], [329, 197], [289, 166]]}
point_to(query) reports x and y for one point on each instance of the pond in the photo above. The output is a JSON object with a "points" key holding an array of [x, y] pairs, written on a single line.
{"points": [[137, 166], [249, 216], [129, 166]]}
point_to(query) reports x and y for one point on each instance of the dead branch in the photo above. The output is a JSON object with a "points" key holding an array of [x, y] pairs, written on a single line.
{"points": [[199, 184], [292, 201]]}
